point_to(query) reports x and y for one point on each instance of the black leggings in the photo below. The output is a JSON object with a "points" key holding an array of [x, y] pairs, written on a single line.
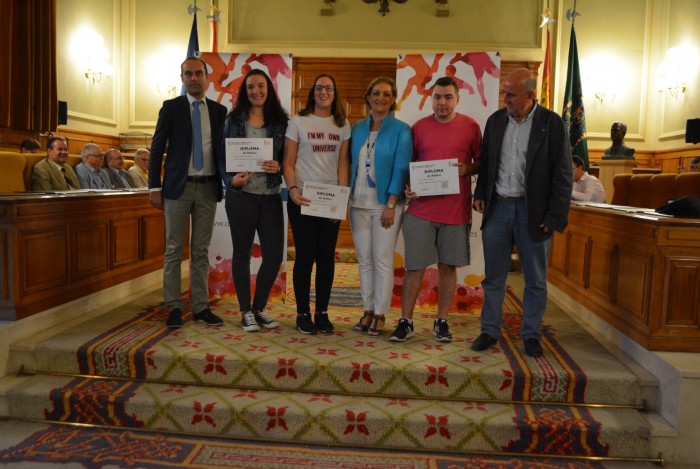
{"points": [[248, 213], [314, 239]]}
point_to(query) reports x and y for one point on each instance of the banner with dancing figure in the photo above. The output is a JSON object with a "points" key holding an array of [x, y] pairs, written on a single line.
{"points": [[477, 75], [226, 73]]}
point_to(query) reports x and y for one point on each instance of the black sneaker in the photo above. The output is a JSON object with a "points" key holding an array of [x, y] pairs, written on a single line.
{"points": [[323, 324], [264, 320], [248, 322], [305, 325], [174, 319], [210, 318], [403, 331], [441, 331]]}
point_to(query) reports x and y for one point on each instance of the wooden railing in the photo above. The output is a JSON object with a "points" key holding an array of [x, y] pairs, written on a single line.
{"points": [[57, 248], [638, 272]]}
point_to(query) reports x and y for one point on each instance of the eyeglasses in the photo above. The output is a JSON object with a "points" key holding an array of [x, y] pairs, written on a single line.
{"points": [[97, 155], [328, 88]]}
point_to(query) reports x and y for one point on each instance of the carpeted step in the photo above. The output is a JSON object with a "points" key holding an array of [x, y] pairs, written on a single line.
{"points": [[344, 362], [332, 419]]}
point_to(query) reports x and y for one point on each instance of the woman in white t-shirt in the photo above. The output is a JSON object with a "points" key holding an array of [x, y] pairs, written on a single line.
{"points": [[315, 150]]}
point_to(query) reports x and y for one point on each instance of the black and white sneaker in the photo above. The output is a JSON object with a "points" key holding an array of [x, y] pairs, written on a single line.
{"points": [[441, 331], [264, 320], [403, 331], [248, 322], [305, 325], [323, 324]]}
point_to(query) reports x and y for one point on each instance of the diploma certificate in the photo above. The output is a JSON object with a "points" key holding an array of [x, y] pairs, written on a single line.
{"points": [[436, 177], [247, 154], [327, 200]]}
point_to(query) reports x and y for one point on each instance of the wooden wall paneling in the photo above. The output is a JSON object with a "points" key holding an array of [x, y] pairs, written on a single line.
{"points": [[632, 286], [65, 250], [601, 256], [153, 233], [558, 253], [125, 241], [681, 307], [5, 265], [578, 256], [651, 268], [91, 240], [44, 260]]}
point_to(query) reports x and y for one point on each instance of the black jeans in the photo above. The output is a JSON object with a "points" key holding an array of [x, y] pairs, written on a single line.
{"points": [[248, 213], [314, 239]]}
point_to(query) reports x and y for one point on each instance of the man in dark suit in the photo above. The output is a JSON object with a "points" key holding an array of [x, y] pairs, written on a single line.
{"points": [[523, 190], [191, 187], [118, 176]]}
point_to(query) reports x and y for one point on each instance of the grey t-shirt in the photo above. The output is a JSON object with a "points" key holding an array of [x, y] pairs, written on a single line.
{"points": [[257, 184]]}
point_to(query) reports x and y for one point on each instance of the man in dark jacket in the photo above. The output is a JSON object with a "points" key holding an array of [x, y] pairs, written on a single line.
{"points": [[189, 127], [523, 190]]}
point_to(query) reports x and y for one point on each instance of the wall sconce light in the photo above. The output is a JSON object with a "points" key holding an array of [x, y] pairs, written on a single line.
{"points": [[605, 71], [675, 69], [383, 5], [327, 8], [87, 47], [98, 71], [167, 89], [443, 10], [603, 96]]}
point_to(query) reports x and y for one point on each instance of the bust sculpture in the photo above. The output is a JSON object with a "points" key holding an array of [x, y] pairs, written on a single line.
{"points": [[618, 150]]}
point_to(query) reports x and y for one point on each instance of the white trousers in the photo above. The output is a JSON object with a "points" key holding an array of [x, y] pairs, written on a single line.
{"points": [[375, 254]]}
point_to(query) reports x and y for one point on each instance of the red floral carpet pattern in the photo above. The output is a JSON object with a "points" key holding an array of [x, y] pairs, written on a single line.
{"points": [[125, 449], [343, 388]]}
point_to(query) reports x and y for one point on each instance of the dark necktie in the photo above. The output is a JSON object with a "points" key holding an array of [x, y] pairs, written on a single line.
{"points": [[98, 180], [126, 183], [198, 162], [68, 181]]}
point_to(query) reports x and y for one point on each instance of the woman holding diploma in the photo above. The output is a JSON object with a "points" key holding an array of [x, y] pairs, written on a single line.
{"points": [[253, 201], [381, 149], [315, 150]]}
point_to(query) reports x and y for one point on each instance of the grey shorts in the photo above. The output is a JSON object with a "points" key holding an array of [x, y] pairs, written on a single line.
{"points": [[426, 243]]}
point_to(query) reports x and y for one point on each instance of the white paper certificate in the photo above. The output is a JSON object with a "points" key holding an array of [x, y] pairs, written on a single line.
{"points": [[327, 200], [437, 177], [247, 154]]}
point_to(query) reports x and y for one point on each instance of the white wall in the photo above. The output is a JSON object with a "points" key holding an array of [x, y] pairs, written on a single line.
{"points": [[147, 40]]}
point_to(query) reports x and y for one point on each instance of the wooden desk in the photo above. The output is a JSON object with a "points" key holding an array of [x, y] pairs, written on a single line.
{"points": [[640, 273], [57, 248]]}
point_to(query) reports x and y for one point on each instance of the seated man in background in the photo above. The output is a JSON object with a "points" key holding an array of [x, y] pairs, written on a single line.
{"points": [[693, 168], [90, 172], [120, 178], [30, 146], [53, 174], [139, 172], [586, 187]]}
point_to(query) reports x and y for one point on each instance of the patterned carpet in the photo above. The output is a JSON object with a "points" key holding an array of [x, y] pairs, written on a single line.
{"points": [[96, 448], [343, 388]]}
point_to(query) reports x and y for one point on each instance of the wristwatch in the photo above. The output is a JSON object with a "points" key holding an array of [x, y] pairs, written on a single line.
{"points": [[391, 205]]}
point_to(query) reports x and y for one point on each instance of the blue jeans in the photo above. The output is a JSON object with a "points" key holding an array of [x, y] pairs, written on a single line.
{"points": [[507, 226]]}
